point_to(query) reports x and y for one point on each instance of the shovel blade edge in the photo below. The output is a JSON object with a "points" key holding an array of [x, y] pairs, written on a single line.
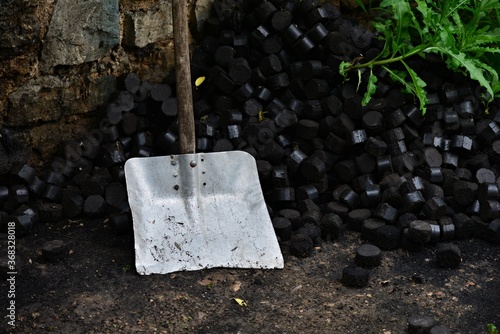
{"points": [[198, 211]]}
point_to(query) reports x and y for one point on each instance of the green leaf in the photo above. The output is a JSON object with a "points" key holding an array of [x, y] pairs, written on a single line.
{"points": [[487, 5], [401, 12], [471, 65], [453, 7], [400, 77], [362, 6], [446, 39], [344, 67], [496, 88], [484, 37], [493, 74], [429, 17], [466, 33], [371, 87], [418, 87], [387, 3]]}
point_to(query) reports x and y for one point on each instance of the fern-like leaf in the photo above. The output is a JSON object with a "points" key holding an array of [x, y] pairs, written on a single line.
{"points": [[400, 77], [371, 87], [472, 66]]}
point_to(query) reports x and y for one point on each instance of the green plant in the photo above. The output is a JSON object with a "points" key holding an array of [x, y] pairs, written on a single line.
{"points": [[492, 329], [361, 5], [466, 33], [126, 268]]}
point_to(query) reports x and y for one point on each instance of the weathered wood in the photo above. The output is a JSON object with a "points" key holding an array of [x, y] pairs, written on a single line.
{"points": [[187, 141]]}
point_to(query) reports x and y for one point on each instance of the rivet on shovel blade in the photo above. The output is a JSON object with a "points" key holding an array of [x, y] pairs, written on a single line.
{"points": [[192, 163]]}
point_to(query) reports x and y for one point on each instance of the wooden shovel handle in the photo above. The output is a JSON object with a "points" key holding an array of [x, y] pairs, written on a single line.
{"points": [[183, 77]]}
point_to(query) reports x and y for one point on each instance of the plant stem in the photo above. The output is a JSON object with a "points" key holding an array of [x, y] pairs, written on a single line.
{"points": [[375, 62]]}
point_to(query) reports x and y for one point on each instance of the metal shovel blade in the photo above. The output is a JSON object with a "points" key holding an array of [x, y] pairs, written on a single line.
{"points": [[196, 211]]}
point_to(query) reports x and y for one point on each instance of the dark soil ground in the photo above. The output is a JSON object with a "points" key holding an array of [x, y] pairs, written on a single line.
{"points": [[95, 289]]}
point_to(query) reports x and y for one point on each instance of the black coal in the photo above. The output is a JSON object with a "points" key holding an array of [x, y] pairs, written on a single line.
{"points": [[325, 163]]}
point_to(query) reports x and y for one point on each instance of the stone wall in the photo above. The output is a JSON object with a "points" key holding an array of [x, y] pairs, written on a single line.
{"points": [[60, 60]]}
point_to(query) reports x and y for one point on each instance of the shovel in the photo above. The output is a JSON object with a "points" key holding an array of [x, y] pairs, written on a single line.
{"points": [[194, 211]]}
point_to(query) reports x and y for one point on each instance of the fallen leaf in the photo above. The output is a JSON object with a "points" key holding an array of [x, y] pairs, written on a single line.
{"points": [[205, 281], [202, 315], [240, 302], [440, 294], [199, 81], [236, 286], [216, 278]]}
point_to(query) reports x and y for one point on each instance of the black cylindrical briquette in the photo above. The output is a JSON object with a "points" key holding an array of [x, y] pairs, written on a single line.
{"points": [[368, 256], [120, 223], [282, 227], [386, 212], [420, 231], [72, 202], [420, 324], [331, 226], [356, 217], [301, 245], [54, 250], [434, 208], [94, 205], [375, 147], [448, 256], [52, 193], [50, 212], [18, 194], [369, 228], [350, 198], [307, 191], [388, 237], [36, 186], [354, 276]]}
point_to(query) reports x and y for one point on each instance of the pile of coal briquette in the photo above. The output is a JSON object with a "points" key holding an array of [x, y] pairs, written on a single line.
{"points": [[326, 164]]}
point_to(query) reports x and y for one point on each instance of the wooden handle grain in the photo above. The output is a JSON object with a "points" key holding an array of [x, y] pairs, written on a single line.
{"points": [[187, 142]]}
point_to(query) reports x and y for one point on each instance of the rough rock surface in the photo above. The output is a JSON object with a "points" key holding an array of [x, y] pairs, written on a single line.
{"points": [[144, 27], [59, 61], [48, 98], [80, 32]]}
